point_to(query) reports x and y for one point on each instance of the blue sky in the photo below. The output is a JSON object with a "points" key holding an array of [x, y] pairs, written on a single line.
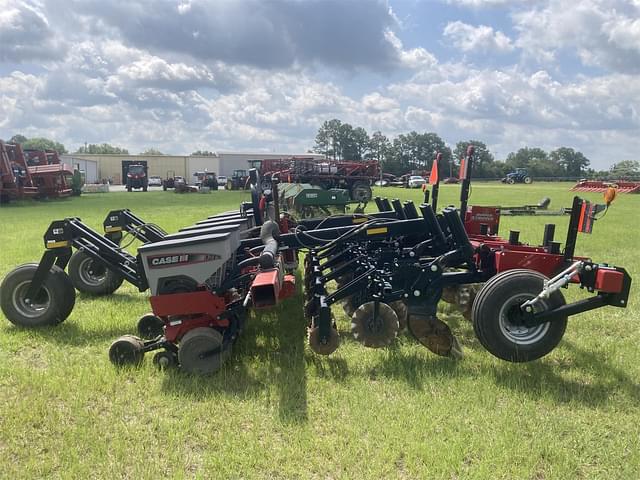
{"points": [[263, 75]]}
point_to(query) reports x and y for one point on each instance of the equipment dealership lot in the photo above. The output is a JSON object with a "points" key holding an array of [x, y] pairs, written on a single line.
{"points": [[276, 410]]}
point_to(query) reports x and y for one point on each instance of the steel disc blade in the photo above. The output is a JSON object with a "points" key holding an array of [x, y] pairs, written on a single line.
{"points": [[434, 334], [326, 348], [374, 329]]}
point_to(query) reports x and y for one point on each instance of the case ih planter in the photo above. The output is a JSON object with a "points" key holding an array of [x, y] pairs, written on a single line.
{"points": [[390, 269]]}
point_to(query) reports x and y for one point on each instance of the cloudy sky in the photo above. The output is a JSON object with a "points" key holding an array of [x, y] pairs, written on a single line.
{"points": [[262, 75]]}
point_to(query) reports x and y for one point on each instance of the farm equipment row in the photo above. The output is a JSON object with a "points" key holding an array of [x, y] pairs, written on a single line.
{"points": [[34, 174], [389, 269], [355, 177]]}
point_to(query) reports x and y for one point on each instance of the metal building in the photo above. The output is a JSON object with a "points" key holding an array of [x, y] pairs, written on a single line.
{"points": [[112, 167]]}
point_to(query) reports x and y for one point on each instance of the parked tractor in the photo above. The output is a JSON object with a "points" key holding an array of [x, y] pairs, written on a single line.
{"points": [[137, 177], [238, 180], [520, 175], [206, 179]]}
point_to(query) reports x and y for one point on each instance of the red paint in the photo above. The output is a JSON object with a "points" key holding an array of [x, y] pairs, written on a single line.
{"points": [[609, 280]]}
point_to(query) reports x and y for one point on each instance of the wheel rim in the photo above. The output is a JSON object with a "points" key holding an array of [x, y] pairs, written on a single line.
{"points": [[35, 307], [92, 273], [519, 334]]}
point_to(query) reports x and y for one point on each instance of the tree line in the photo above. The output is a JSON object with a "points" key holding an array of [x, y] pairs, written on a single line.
{"points": [[416, 151], [406, 152]]}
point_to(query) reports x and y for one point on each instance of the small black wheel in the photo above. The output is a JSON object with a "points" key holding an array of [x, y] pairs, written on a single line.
{"points": [[496, 310], [361, 192], [126, 351], [92, 277], [150, 326], [51, 305], [200, 351], [374, 329], [165, 359]]}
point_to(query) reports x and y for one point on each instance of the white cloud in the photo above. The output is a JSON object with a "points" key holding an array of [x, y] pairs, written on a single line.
{"points": [[477, 38], [602, 33]]}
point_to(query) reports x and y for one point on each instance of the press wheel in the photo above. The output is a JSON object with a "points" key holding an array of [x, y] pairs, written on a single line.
{"points": [[200, 351]]}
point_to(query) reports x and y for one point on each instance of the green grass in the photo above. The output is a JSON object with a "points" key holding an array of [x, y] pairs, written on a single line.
{"points": [[276, 410]]}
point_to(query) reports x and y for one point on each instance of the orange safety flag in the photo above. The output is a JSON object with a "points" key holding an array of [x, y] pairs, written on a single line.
{"points": [[433, 177], [463, 168]]}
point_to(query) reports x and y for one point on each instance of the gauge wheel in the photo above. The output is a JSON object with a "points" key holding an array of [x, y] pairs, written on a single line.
{"points": [[51, 305], [91, 276], [496, 310]]}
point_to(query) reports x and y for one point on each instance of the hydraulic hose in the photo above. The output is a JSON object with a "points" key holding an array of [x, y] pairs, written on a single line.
{"points": [[268, 234]]}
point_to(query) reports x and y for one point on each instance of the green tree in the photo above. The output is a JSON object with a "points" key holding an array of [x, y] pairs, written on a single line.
{"points": [[626, 169], [573, 162], [18, 139], [523, 157], [328, 139], [103, 148], [152, 151], [417, 150], [39, 143], [483, 157], [203, 153]]}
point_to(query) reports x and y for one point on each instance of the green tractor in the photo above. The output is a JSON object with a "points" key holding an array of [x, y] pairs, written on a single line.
{"points": [[238, 181]]}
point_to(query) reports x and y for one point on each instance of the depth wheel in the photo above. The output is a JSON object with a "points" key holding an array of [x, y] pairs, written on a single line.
{"points": [[150, 326], [126, 351], [326, 348], [496, 312], [91, 276], [374, 329], [51, 305], [200, 351], [165, 359]]}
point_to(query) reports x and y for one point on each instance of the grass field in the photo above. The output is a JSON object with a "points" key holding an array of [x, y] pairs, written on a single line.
{"points": [[276, 410]]}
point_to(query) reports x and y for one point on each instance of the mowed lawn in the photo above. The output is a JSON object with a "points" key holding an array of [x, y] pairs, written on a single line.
{"points": [[276, 410]]}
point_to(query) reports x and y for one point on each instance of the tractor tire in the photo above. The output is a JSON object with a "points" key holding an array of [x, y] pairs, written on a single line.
{"points": [[89, 276], [361, 192], [510, 181], [144, 189], [52, 305], [527, 180], [498, 300], [164, 187], [129, 188]]}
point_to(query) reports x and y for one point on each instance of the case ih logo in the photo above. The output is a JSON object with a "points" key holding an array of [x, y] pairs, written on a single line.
{"points": [[160, 261]]}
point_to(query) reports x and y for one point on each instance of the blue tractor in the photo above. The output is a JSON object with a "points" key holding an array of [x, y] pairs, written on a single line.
{"points": [[521, 175]]}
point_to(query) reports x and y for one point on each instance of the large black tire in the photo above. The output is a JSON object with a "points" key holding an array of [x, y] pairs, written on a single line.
{"points": [[90, 276], [498, 300], [52, 305], [129, 188], [361, 192]]}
